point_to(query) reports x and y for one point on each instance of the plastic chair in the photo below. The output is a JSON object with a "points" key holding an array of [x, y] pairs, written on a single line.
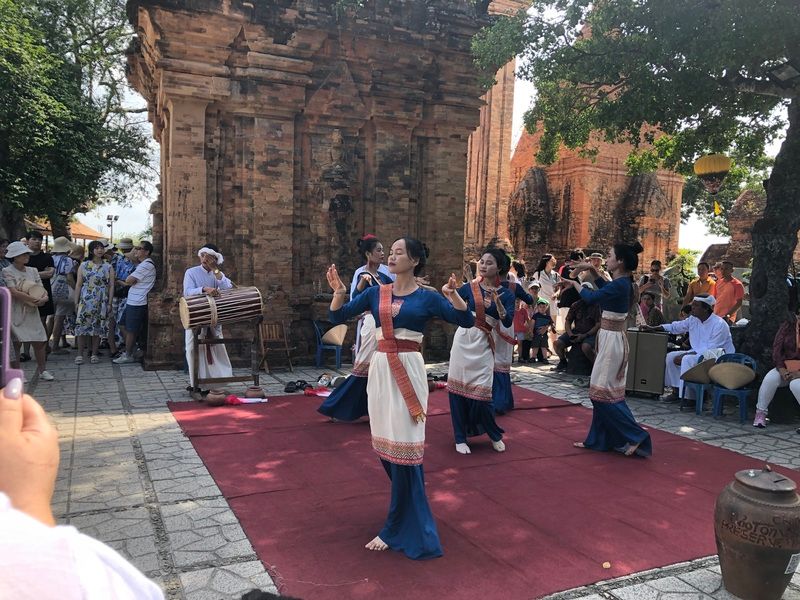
{"points": [[330, 340], [742, 394], [699, 390]]}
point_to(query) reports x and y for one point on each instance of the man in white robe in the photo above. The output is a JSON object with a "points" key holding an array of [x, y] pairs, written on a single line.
{"points": [[707, 333], [207, 278]]}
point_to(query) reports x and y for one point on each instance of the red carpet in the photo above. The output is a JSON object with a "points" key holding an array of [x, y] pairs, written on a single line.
{"points": [[540, 518]]}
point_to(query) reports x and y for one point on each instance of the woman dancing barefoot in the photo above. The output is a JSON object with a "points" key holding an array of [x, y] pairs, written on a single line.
{"points": [[397, 389], [613, 425]]}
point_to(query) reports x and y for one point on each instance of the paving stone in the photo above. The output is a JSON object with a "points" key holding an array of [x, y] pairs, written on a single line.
{"points": [[185, 488], [672, 584], [640, 591], [115, 525], [141, 551], [223, 583], [705, 580], [210, 545]]}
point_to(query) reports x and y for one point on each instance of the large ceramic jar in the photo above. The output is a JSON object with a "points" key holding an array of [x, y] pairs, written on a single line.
{"points": [[757, 527]]}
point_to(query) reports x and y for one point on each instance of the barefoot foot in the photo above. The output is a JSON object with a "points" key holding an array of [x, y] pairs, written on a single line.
{"points": [[499, 446], [630, 449], [463, 449], [578, 444], [376, 544]]}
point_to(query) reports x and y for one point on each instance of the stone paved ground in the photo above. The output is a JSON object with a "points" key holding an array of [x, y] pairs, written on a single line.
{"points": [[130, 478]]}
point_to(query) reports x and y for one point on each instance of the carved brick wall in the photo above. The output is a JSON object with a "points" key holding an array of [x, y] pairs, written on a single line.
{"points": [[287, 134], [590, 203]]}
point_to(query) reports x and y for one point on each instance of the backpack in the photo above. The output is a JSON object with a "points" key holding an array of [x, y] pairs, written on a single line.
{"points": [[59, 287]]}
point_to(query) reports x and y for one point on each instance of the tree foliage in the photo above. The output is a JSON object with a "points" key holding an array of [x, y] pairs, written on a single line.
{"points": [[68, 140], [686, 77]]}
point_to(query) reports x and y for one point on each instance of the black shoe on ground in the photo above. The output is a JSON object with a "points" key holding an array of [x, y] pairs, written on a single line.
{"points": [[561, 366], [24, 357], [670, 398], [543, 360]]}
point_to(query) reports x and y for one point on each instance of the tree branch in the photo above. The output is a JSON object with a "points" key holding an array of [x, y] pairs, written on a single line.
{"points": [[757, 86]]}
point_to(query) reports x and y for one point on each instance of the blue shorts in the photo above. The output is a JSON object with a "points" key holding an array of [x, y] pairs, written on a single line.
{"points": [[134, 318], [564, 339]]}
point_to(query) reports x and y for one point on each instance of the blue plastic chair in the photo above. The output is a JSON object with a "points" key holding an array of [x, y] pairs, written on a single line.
{"points": [[321, 346], [699, 390], [742, 394]]}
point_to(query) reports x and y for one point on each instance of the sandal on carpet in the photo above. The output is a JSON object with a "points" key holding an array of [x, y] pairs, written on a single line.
{"points": [[302, 384], [291, 387], [581, 382]]}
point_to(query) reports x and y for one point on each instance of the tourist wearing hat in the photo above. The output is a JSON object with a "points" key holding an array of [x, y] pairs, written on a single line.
{"points": [[63, 294], [707, 333], [42, 262], [27, 295], [541, 323], [596, 260]]}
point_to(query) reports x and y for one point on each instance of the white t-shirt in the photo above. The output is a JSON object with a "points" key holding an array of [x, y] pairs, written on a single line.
{"points": [[145, 275], [38, 562]]}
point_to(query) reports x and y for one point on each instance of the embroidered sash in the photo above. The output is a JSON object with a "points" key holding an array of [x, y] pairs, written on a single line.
{"points": [[617, 326], [480, 312], [392, 347]]}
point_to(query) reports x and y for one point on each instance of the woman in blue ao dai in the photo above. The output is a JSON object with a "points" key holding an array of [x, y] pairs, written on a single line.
{"points": [[348, 402], [397, 389], [502, 395], [613, 425], [470, 375]]}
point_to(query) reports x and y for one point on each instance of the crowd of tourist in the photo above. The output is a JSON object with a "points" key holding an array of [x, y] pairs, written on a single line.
{"points": [[100, 299]]}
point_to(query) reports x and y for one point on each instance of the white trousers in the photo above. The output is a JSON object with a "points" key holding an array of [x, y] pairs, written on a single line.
{"points": [[221, 365], [773, 381], [673, 372]]}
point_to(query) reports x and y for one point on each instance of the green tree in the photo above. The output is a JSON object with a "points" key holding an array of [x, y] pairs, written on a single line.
{"points": [[64, 64], [702, 71], [681, 272]]}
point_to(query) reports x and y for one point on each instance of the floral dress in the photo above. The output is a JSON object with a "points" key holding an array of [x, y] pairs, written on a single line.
{"points": [[92, 314]]}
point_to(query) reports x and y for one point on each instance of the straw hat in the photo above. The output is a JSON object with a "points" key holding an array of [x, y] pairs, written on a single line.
{"points": [[32, 288], [62, 245], [731, 375], [699, 372], [125, 244]]}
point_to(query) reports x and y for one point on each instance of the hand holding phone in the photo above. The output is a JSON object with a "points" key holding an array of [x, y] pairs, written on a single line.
{"points": [[6, 372]]}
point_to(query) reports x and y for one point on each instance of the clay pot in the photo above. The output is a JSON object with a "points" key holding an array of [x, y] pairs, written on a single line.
{"points": [[216, 397], [757, 527], [254, 392]]}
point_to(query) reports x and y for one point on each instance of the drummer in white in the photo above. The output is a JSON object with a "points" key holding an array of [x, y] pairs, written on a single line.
{"points": [[207, 278]]}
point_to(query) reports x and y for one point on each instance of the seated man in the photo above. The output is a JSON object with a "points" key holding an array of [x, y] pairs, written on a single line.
{"points": [[706, 330], [580, 327]]}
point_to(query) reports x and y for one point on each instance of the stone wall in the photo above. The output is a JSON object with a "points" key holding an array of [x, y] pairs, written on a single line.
{"points": [[581, 202], [287, 133]]}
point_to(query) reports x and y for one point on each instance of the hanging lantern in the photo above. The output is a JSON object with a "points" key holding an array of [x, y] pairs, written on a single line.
{"points": [[712, 169], [717, 208]]}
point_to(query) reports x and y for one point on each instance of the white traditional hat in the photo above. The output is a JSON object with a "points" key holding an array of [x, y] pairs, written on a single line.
{"points": [[710, 300], [206, 250]]}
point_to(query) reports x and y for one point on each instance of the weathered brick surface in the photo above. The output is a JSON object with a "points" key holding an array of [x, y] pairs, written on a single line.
{"points": [[287, 134], [589, 203]]}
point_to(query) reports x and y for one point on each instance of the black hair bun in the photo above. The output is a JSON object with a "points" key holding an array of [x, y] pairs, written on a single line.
{"points": [[637, 247]]}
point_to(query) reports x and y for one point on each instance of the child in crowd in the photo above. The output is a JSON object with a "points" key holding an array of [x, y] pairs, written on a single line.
{"points": [[522, 317], [540, 323]]}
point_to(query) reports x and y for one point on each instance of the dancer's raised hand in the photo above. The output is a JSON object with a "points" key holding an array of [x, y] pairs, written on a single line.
{"points": [[364, 281], [467, 272], [334, 280], [451, 285]]}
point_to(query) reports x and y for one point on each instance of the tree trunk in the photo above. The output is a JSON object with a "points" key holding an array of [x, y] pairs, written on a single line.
{"points": [[774, 241], [59, 225], [12, 224]]}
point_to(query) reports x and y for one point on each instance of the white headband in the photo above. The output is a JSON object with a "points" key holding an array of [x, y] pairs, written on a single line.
{"points": [[204, 250]]}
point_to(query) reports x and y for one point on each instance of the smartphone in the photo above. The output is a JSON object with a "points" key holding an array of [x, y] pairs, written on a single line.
{"points": [[6, 372]]}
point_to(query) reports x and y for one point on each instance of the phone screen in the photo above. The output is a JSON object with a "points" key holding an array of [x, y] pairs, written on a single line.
{"points": [[6, 372]]}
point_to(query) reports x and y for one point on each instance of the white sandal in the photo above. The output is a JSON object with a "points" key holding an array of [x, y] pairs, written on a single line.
{"points": [[95, 359], [79, 360]]}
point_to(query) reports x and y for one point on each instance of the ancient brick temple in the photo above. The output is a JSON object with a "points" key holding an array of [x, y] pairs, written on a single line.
{"points": [[590, 203], [287, 131]]}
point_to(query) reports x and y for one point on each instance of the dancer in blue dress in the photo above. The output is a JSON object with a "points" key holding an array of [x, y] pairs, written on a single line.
{"points": [[348, 402], [471, 371], [502, 395], [613, 425], [397, 388]]}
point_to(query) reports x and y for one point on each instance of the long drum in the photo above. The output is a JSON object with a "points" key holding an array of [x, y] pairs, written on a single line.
{"points": [[237, 304]]}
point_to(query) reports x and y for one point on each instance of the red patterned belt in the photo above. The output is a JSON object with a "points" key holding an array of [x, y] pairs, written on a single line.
{"points": [[612, 325], [395, 346]]}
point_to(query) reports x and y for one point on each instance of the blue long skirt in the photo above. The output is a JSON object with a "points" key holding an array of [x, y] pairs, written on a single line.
{"points": [[348, 402], [473, 417], [410, 527], [614, 427], [502, 397]]}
